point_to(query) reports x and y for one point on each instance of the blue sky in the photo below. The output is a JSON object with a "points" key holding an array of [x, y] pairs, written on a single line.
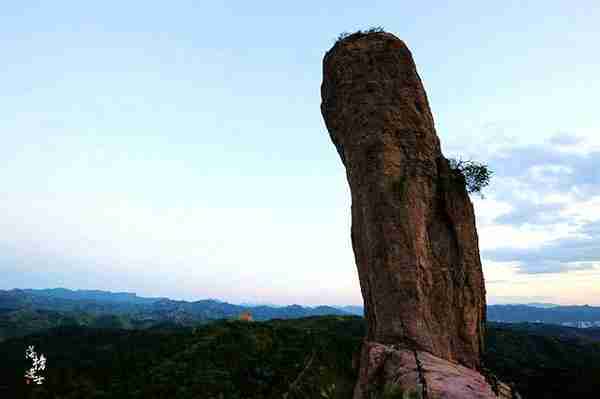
{"points": [[177, 148]]}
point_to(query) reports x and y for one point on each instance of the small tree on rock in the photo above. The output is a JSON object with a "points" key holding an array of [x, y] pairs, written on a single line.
{"points": [[476, 175]]}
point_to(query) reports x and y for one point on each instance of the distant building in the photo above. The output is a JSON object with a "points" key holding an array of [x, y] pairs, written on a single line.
{"points": [[246, 316]]}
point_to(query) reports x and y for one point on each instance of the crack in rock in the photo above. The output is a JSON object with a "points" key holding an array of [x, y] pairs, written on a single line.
{"points": [[421, 381]]}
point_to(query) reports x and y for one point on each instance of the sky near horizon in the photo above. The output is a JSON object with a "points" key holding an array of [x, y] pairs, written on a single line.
{"points": [[177, 148]]}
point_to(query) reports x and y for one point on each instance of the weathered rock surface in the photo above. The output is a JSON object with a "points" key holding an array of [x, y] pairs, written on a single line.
{"points": [[413, 225], [420, 374]]}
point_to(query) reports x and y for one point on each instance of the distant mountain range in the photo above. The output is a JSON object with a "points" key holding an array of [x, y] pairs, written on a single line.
{"points": [[23, 311], [542, 305], [570, 316], [573, 316], [351, 309], [100, 302]]}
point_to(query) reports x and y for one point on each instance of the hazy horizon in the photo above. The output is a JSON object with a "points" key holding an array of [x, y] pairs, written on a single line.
{"points": [[178, 149], [508, 301]]}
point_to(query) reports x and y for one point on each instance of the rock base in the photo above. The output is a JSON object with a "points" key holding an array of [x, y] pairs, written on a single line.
{"points": [[390, 371]]}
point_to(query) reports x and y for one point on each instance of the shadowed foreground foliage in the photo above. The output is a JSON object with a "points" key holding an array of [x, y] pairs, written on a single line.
{"points": [[302, 358]]}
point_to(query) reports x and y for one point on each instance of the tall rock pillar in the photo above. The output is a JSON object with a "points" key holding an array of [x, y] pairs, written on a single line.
{"points": [[413, 225]]}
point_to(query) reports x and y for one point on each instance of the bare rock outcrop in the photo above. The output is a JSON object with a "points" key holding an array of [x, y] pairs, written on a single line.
{"points": [[413, 225], [412, 373]]}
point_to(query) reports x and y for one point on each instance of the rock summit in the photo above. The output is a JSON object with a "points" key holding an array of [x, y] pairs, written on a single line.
{"points": [[413, 225]]}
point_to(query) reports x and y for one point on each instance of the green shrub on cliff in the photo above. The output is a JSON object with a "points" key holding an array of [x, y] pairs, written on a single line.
{"points": [[476, 175]]}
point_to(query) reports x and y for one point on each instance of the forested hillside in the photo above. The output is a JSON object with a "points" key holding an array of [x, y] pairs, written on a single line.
{"points": [[27, 311], [302, 358]]}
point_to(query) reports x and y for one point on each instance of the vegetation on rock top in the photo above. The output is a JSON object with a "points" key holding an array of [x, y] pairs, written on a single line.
{"points": [[346, 35]]}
